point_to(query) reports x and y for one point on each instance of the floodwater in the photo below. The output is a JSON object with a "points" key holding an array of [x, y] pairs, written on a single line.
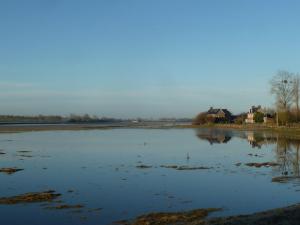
{"points": [[98, 169]]}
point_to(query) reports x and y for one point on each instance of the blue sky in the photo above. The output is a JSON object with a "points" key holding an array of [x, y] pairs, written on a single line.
{"points": [[154, 58]]}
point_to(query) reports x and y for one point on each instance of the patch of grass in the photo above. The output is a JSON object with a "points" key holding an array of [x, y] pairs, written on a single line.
{"points": [[32, 197], [170, 218]]}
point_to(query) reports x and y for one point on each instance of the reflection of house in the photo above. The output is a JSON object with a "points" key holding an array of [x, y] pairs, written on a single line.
{"points": [[252, 140], [222, 139], [251, 113], [214, 136], [222, 114]]}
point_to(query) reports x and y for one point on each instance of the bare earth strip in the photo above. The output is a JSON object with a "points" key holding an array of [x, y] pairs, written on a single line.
{"points": [[51, 127], [282, 216]]}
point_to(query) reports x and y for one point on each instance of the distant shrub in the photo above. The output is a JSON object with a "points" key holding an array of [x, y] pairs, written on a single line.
{"points": [[210, 119], [240, 119], [201, 118], [258, 117]]}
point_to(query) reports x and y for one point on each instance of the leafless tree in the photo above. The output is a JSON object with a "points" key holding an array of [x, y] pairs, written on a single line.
{"points": [[296, 93], [282, 86]]}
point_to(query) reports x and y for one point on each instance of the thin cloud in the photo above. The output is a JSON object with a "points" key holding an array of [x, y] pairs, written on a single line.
{"points": [[5, 84]]}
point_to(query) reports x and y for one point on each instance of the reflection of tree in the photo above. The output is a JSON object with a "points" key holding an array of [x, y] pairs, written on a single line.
{"points": [[283, 154], [258, 139], [287, 149], [296, 159], [287, 152]]}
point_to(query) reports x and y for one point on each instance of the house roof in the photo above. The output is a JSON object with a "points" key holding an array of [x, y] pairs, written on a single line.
{"points": [[216, 111]]}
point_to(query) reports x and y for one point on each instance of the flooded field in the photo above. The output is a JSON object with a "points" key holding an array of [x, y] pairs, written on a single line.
{"points": [[104, 176]]}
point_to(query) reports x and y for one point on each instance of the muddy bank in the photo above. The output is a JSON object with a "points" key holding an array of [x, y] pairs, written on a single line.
{"points": [[281, 216], [170, 218], [30, 198]]}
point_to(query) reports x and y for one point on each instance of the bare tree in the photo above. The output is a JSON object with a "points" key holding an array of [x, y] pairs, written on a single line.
{"points": [[282, 86], [296, 93]]}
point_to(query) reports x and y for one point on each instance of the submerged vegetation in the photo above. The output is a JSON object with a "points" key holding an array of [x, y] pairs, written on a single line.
{"points": [[45, 196], [10, 170]]}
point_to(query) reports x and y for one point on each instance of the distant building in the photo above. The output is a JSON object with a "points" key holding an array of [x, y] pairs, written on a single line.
{"points": [[269, 119], [251, 113], [219, 114]]}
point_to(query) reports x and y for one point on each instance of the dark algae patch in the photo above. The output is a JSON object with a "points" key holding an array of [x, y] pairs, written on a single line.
{"points": [[169, 166], [10, 170], [26, 156], [178, 218], [65, 207], [193, 168], [32, 197], [264, 164], [185, 167], [285, 179], [143, 167]]}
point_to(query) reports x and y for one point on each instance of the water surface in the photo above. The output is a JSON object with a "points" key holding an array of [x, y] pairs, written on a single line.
{"points": [[100, 168]]}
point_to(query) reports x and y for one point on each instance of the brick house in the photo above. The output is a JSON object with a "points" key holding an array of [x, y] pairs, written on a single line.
{"points": [[219, 114]]}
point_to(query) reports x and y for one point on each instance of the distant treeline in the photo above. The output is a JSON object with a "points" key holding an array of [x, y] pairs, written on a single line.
{"points": [[55, 119], [31, 119], [74, 118]]}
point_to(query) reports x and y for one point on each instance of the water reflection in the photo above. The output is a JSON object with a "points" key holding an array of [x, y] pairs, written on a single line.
{"points": [[287, 153], [104, 169], [258, 139], [215, 136], [286, 148]]}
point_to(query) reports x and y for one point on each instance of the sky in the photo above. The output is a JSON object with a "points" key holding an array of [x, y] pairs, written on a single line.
{"points": [[143, 58]]}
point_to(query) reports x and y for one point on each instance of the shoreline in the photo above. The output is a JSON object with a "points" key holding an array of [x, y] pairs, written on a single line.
{"points": [[289, 215], [290, 131], [293, 131]]}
